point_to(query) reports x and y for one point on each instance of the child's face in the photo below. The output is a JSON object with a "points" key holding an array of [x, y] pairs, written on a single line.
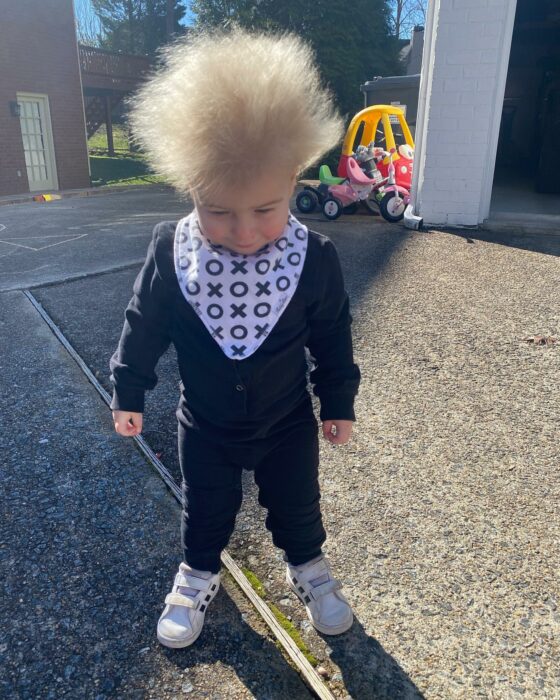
{"points": [[244, 219]]}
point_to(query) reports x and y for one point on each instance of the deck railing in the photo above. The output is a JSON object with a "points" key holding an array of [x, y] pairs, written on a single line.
{"points": [[101, 66]]}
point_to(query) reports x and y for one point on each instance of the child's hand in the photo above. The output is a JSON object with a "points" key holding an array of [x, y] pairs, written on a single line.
{"points": [[127, 423], [337, 432]]}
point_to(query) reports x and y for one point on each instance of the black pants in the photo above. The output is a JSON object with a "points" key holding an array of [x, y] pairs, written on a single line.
{"points": [[286, 472]]}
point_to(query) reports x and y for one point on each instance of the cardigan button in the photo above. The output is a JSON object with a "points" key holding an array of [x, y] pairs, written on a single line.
{"points": [[240, 387]]}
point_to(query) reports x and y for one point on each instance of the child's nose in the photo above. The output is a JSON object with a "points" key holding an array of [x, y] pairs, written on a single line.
{"points": [[242, 228]]}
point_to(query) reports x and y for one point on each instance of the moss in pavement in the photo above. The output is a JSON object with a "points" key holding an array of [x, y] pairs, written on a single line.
{"points": [[282, 620]]}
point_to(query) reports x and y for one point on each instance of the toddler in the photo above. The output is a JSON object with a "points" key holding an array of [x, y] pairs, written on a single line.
{"points": [[241, 288]]}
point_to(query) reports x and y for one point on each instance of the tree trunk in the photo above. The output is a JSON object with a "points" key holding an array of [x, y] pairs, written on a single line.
{"points": [[398, 16], [109, 125], [170, 19], [130, 16]]}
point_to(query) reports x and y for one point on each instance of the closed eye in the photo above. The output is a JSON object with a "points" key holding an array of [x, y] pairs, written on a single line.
{"points": [[264, 211]]}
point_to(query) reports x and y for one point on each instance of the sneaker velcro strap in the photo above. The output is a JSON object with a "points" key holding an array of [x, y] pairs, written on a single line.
{"points": [[191, 581], [180, 599], [327, 587], [314, 571]]}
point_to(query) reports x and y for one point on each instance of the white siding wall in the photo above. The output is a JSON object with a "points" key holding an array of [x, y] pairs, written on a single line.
{"points": [[465, 66]]}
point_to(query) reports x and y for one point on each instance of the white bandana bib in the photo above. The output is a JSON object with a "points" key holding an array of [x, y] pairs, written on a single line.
{"points": [[239, 298]]}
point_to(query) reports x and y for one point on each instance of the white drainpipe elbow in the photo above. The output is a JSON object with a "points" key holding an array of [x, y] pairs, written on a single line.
{"points": [[411, 220]]}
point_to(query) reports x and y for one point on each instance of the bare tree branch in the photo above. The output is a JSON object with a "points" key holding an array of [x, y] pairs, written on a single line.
{"points": [[406, 15], [88, 29]]}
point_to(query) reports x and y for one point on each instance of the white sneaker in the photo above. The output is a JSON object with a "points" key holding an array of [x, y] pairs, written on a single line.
{"points": [[313, 583], [182, 619]]}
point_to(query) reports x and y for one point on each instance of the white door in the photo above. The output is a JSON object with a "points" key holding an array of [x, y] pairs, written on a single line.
{"points": [[37, 138]]}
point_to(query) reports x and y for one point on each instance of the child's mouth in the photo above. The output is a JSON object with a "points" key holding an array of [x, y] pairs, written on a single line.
{"points": [[244, 247]]}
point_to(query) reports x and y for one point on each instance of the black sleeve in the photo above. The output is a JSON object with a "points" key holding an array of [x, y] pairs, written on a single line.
{"points": [[336, 377], [145, 336]]}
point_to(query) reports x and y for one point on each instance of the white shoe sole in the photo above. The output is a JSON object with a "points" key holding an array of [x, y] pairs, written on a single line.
{"points": [[178, 643]]}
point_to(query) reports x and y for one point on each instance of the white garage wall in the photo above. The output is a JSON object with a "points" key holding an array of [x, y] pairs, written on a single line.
{"points": [[465, 63]]}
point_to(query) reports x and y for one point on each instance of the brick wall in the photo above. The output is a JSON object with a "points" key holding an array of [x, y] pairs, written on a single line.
{"points": [[38, 54], [470, 43]]}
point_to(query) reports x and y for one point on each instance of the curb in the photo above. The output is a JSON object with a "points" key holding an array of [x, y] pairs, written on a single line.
{"points": [[86, 192]]}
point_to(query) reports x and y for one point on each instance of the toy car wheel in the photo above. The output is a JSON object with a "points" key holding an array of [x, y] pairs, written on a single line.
{"points": [[392, 207], [307, 201], [332, 208]]}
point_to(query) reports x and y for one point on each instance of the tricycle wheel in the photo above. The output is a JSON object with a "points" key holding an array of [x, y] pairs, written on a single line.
{"points": [[392, 207], [332, 208], [307, 201]]}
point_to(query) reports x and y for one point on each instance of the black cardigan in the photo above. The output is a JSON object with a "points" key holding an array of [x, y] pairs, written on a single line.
{"points": [[239, 399]]}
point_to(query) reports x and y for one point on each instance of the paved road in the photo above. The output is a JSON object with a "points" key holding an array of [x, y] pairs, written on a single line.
{"points": [[47, 242], [54, 241]]}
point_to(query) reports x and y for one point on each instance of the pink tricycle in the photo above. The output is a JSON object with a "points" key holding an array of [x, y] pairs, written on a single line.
{"points": [[392, 199], [356, 187], [395, 197]]}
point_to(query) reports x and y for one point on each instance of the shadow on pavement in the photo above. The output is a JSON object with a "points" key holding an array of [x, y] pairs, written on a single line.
{"points": [[368, 671], [255, 660], [544, 243], [364, 244]]}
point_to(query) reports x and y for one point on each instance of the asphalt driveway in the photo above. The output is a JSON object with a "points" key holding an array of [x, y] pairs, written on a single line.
{"points": [[442, 511], [43, 242]]}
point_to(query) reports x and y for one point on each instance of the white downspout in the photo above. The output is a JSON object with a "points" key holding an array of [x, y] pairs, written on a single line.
{"points": [[81, 87], [411, 217]]}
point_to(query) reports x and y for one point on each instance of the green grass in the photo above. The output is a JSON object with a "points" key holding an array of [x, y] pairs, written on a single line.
{"points": [[98, 142], [126, 167], [129, 168]]}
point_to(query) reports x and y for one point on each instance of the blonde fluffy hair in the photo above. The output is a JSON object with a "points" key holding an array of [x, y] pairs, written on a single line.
{"points": [[225, 108]]}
